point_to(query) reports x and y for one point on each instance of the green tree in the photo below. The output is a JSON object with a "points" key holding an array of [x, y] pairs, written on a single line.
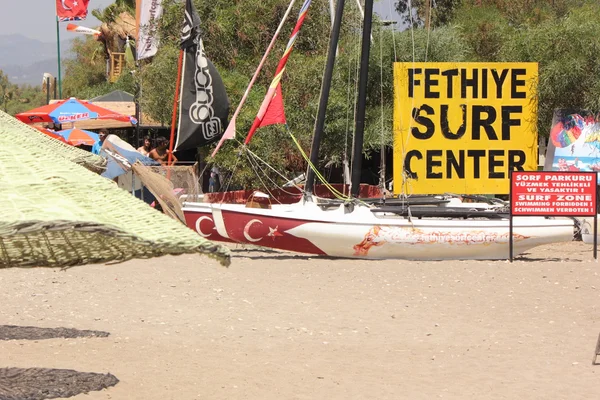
{"points": [[235, 35], [568, 53], [15, 99], [417, 12]]}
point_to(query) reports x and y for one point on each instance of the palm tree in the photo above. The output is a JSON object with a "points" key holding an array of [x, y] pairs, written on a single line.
{"points": [[118, 26]]}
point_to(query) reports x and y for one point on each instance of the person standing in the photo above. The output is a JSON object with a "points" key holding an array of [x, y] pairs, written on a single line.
{"points": [[102, 134], [214, 182], [146, 147]]}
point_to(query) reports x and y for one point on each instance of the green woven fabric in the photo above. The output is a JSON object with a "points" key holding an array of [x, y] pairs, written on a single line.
{"points": [[56, 213], [33, 138]]}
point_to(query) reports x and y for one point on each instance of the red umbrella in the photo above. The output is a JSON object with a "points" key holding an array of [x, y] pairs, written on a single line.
{"points": [[79, 136], [70, 110], [53, 135]]}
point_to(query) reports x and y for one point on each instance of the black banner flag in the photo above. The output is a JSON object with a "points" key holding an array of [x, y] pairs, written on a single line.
{"points": [[204, 106]]}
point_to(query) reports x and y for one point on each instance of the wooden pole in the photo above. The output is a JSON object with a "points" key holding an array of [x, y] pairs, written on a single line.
{"points": [[428, 15], [58, 51]]}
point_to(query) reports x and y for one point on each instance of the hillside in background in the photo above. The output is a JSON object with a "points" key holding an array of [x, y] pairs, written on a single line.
{"points": [[25, 60]]}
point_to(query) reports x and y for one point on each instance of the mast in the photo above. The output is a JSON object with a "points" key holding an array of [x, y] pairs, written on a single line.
{"points": [[324, 97], [58, 56], [362, 96]]}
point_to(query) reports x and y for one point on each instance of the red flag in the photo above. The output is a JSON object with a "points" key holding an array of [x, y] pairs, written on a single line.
{"points": [[71, 10], [275, 113]]}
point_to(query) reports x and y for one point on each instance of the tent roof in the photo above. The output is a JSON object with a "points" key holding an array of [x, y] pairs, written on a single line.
{"points": [[55, 213], [115, 95], [121, 107]]}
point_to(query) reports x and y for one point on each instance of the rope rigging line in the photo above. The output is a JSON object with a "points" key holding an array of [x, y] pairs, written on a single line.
{"points": [[254, 163], [276, 172], [254, 167], [334, 191], [231, 174]]}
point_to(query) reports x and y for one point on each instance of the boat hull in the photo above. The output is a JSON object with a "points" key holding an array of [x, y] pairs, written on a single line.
{"points": [[198, 217], [305, 228]]}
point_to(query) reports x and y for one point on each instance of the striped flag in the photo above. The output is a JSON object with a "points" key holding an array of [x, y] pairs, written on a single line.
{"points": [[272, 111]]}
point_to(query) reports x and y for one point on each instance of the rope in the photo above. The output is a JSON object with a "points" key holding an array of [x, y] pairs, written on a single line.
{"points": [[277, 172], [333, 190], [255, 165]]}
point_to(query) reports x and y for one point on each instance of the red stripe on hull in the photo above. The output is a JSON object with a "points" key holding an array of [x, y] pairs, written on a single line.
{"points": [[203, 224], [267, 232]]}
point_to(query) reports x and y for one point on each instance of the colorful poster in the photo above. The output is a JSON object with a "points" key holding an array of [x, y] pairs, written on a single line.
{"points": [[462, 127], [71, 10], [148, 12], [574, 142]]}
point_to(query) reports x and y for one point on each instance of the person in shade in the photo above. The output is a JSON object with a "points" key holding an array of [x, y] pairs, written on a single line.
{"points": [[161, 152], [146, 147], [102, 134]]}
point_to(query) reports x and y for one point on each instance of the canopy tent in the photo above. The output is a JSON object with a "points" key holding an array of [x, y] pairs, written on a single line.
{"points": [[55, 213], [53, 134], [79, 136], [70, 111]]}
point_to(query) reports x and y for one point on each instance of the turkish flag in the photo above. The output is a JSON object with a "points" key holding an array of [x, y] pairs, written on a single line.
{"points": [[71, 10]]}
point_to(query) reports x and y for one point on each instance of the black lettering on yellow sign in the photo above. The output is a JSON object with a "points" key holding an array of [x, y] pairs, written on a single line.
{"points": [[474, 86], [447, 164], [481, 117], [464, 124]]}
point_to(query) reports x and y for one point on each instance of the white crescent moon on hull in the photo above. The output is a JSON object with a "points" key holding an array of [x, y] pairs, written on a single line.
{"points": [[198, 229], [247, 230]]}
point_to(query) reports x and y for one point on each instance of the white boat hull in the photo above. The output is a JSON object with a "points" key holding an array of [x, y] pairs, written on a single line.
{"points": [[306, 228]]}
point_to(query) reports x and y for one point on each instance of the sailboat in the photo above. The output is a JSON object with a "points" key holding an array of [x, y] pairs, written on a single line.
{"points": [[352, 229]]}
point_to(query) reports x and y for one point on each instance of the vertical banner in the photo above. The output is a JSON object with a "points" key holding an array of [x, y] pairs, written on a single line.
{"points": [[71, 10], [148, 13], [204, 106], [462, 127]]}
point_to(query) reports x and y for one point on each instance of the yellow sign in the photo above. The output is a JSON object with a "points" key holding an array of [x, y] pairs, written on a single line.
{"points": [[461, 127]]}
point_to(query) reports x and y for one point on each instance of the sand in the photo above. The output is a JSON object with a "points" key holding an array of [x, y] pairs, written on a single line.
{"points": [[283, 326]]}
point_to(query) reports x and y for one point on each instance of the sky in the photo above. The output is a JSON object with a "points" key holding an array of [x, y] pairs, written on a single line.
{"points": [[36, 19]]}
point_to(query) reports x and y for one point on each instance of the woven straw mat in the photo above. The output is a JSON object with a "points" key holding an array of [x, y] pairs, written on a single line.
{"points": [[55, 212]]}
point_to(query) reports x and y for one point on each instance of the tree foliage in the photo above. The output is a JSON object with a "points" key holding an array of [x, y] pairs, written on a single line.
{"points": [[561, 35], [415, 13], [18, 98], [235, 36], [568, 53]]}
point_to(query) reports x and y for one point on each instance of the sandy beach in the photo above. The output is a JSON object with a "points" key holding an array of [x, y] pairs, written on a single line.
{"points": [[284, 326]]}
